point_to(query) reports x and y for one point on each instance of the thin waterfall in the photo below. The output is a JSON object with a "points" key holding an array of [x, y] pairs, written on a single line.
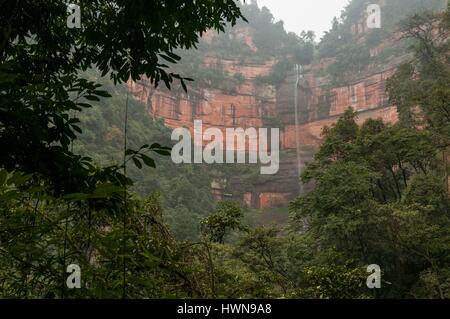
{"points": [[297, 69]]}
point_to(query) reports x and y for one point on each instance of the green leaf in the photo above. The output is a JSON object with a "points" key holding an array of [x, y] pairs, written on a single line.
{"points": [[58, 121], [144, 146], [91, 98], [155, 145], [137, 163], [165, 57], [148, 161], [77, 128], [184, 86], [173, 55], [163, 152], [86, 105]]}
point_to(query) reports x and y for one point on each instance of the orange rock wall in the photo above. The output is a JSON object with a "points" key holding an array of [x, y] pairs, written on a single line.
{"points": [[242, 108], [248, 105], [311, 133], [218, 109], [267, 200]]}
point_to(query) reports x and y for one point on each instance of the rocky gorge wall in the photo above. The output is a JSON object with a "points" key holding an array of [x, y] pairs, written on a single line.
{"points": [[252, 104]]}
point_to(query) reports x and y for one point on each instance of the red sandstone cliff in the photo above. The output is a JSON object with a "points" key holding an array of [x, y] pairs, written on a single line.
{"points": [[249, 104]]}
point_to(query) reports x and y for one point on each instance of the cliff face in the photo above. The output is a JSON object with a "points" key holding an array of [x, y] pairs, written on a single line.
{"points": [[248, 105], [251, 104], [238, 106]]}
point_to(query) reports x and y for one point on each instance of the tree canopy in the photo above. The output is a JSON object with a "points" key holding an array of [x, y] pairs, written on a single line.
{"points": [[41, 61]]}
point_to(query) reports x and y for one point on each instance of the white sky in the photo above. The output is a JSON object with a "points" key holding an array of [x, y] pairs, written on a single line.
{"points": [[299, 15]]}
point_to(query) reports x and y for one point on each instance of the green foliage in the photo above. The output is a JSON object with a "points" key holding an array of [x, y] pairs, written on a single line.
{"points": [[41, 60], [337, 282], [278, 74], [185, 189], [226, 218], [239, 78], [268, 36], [420, 89], [273, 121], [379, 198], [324, 106], [350, 51], [213, 76], [401, 91], [351, 61], [57, 206], [229, 45], [39, 238], [380, 191], [270, 41]]}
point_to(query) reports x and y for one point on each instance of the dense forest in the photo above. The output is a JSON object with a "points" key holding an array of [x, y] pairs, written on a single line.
{"points": [[86, 177]]}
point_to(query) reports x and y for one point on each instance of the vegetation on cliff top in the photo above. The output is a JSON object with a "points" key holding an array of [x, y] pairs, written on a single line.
{"points": [[351, 51]]}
